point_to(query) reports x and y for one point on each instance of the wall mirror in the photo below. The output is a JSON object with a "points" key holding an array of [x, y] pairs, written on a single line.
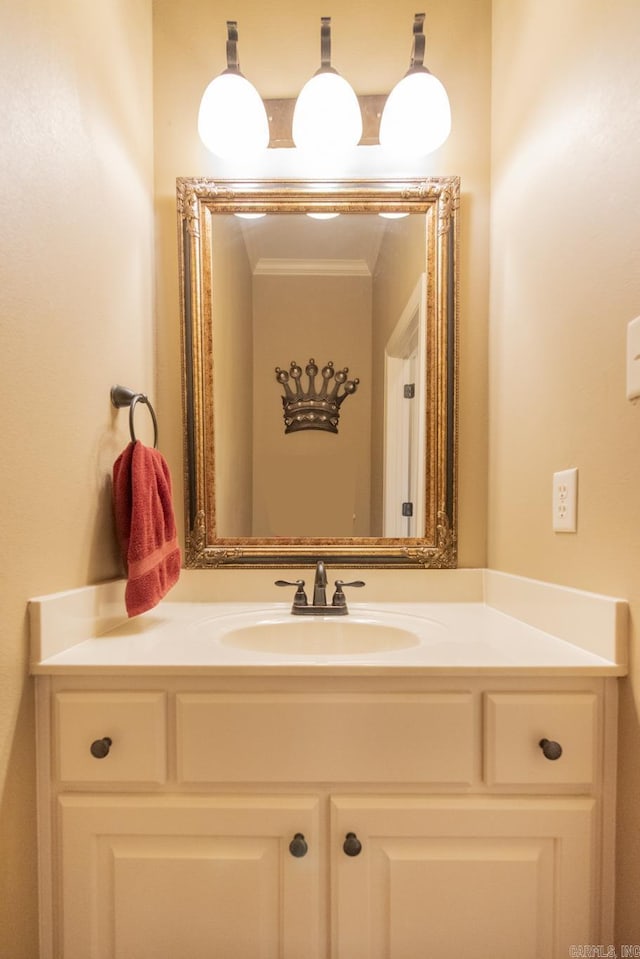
{"points": [[285, 285]]}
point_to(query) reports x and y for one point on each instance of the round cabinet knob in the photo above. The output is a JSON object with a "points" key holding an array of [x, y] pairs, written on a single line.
{"points": [[550, 749], [100, 747], [352, 845], [298, 846]]}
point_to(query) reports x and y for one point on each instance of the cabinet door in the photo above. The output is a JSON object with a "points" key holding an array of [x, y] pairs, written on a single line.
{"points": [[482, 877], [193, 876]]}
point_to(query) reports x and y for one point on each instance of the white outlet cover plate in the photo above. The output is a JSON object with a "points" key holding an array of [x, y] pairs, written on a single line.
{"points": [[633, 359], [565, 501]]}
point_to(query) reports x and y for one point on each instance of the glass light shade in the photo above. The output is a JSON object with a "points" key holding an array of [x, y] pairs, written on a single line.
{"points": [[232, 120], [416, 119], [326, 117], [323, 216]]}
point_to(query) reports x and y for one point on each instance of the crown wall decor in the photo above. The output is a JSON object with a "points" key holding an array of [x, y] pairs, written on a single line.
{"points": [[314, 408]]}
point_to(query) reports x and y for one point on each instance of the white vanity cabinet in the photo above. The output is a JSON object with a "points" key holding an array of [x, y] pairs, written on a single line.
{"points": [[363, 816]]}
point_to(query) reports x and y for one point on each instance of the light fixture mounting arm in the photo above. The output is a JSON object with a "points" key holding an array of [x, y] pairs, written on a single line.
{"points": [[418, 46], [232, 47], [325, 47]]}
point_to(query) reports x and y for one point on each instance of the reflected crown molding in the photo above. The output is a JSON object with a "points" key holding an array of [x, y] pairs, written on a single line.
{"points": [[289, 267]]}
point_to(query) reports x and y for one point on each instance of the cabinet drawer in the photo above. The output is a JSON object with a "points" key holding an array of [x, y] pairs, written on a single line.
{"points": [[348, 737], [134, 722], [515, 724]]}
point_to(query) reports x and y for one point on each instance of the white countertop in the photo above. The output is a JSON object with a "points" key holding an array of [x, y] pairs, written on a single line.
{"points": [[458, 637]]}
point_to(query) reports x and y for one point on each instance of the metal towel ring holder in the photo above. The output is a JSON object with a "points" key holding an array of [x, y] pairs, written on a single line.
{"points": [[122, 396]]}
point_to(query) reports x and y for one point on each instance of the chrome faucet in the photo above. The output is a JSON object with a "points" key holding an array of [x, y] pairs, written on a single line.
{"points": [[319, 607]]}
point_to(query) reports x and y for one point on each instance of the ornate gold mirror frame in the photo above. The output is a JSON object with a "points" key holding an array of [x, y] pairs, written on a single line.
{"points": [[199, 201]]}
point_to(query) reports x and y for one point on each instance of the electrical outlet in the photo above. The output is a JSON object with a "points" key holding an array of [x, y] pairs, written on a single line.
{"points": [[565, 501], [633, 359]]}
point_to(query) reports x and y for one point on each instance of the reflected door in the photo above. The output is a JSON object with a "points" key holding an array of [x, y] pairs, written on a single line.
{"points": [[404, 450]]}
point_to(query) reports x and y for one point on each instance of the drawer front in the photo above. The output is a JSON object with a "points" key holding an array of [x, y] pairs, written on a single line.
{"points": [[515, 724], [134, 722], [351, 737]]}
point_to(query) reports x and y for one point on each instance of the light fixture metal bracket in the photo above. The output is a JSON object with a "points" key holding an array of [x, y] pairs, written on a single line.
{"points": [[325, 46], [280, 114], [418, 47], [232, 47]]}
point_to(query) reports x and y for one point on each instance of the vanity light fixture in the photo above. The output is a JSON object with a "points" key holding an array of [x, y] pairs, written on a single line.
{"points": [[326, 117], [416, 119], [232, 119]]}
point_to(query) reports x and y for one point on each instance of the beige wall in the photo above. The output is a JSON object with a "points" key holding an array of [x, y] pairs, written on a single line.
{"points": [[565, 280], [76, 301]]}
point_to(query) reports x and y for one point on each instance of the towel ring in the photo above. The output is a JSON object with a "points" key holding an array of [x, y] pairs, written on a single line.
{"points": [[122, 396]]}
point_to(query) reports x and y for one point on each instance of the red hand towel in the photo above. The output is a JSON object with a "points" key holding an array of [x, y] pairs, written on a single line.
{"points": [[145, 525]]}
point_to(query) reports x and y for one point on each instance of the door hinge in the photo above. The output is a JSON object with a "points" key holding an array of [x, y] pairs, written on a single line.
{"points": [[409, 391], [407, 509]]}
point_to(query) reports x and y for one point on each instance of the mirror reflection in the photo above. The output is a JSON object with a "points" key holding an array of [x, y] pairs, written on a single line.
{"points": [[293, 289], [291, 296]]}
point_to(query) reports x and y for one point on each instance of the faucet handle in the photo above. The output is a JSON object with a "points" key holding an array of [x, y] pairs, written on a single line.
{"points": [[300, 598], [339, 599]]}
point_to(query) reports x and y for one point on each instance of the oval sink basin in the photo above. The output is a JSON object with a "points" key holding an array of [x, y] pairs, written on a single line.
{"points": [[327, 637]]}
